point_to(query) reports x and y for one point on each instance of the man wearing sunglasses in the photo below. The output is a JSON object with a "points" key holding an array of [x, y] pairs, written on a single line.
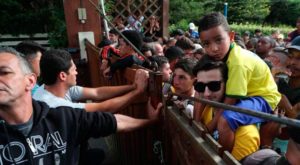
{"points": [[210, 84]]}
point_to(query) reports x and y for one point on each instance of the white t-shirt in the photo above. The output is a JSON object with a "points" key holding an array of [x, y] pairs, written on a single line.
{"points": [[74, 94]]}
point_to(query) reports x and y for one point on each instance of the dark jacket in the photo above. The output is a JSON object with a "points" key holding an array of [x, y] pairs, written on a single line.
{"points": [[55, 135]]}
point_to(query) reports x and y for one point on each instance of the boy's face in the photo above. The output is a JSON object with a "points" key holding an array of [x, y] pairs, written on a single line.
{"points": [[210, 79], [166, 72], [124, 47], [182, 81], [216, 42], [113, 37]]}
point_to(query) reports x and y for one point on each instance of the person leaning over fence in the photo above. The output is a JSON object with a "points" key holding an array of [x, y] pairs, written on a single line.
{"points": [[33, 53], [210, 84], [27, 124], [124, 56], [249, 78], [59, 89]]}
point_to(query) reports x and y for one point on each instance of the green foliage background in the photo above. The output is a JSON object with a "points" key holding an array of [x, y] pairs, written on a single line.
{"points": [[34, 16], [248, 14], [47, 16]]}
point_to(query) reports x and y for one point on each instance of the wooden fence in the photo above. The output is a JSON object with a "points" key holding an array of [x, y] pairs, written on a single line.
{"points": [[174, 140]]}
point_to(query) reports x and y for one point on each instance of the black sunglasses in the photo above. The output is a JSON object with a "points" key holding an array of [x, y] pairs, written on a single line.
{"points": [[213, 86]]}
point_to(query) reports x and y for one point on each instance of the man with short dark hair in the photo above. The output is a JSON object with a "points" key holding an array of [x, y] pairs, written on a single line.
{"points": [[33, 133], [126, 54], [183, 81], [211, 77], [33, 53], [264, 46], [174, 54], [59, 75]]}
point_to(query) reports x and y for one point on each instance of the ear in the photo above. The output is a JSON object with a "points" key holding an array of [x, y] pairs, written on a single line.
{"points": [[30, 81], [62, 76], [231, 36]]}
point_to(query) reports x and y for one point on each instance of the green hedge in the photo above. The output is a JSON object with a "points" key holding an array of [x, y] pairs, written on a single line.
{"points": [[240, 28], [267, 30]]}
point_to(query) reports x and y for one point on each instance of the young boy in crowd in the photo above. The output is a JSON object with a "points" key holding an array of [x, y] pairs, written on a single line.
{"points": [[249, 78]]}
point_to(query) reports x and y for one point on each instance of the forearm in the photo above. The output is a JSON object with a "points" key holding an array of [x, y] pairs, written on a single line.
{"points": [[107, 92], [113, 105], [126, 123], [104, 93]]}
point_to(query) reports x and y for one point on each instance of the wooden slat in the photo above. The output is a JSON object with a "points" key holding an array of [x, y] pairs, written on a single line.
{"points": [[93, 64], [191, 147]]}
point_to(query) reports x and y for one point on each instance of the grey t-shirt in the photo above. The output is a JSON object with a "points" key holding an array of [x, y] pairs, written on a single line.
{"points": [[74, 94], [25, 128]]}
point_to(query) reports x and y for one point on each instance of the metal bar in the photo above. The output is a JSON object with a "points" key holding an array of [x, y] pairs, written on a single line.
{"points": [[104, 16], [276, 118], [104, 21]]}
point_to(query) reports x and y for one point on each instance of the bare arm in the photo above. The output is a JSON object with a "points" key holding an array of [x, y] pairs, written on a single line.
{"points": [[212, 125], [113, 105], [127, 123], [120, 102], [107, 92], [104, 93]]}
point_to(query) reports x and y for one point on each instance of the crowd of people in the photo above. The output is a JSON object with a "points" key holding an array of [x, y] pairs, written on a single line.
{"points": [[47, 123], [256, 72]]}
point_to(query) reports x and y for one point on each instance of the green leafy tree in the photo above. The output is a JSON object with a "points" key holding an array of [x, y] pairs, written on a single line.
{"points": [[34, 16], [283, 12], [247, 11]]}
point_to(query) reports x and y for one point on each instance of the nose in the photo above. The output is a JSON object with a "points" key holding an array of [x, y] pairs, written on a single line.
{"points": [[207, 92], [214, 47]]}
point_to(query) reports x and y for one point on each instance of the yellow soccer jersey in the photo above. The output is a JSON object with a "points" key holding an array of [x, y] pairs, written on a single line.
{"points": [[249, 75]]}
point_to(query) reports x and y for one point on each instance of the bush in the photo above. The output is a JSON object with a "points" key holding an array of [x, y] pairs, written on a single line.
{"points": [[240, 28], [266, 30]]}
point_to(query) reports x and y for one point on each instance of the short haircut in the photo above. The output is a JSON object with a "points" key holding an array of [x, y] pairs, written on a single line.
{"points": [[186, 65], [114, 31], [104, 42], [213, 20], [24, 65], [160, 60], [52, 63], [173, 53], [270, 40], [134, 37], [206, 64], [29, 49], [185, 43]]}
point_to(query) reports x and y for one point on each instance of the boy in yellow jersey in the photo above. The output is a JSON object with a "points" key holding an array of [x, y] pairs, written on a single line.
{"points": [[249, 78], [211, 80]]}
